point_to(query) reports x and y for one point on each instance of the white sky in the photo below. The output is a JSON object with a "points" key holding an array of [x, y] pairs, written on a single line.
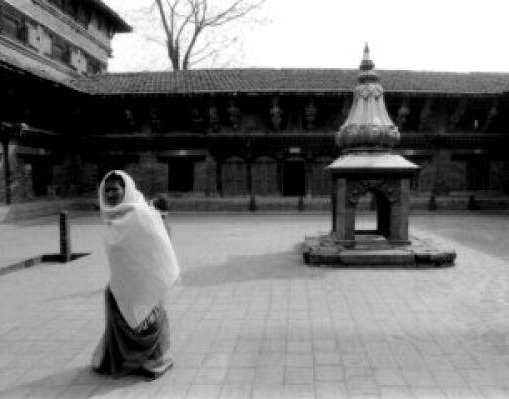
{"points": [[440, 35]]}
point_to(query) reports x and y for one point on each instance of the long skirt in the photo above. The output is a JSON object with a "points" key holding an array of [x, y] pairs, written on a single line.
{"points": [[124, 350]]}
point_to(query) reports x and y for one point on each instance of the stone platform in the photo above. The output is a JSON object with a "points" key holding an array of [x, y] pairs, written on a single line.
{"points": [[371, 250]]}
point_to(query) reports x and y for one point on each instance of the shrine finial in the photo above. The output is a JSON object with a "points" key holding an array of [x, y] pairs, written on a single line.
{"points": [[366, 64], [368, 125]]}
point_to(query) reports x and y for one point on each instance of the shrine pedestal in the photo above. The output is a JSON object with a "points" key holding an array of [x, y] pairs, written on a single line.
{"points": [[386, 176], [374, 251]]}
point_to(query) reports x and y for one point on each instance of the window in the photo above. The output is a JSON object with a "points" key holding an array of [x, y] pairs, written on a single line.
{"points": [[60, 50], [13, 23], [93, 66], [478, 173]]}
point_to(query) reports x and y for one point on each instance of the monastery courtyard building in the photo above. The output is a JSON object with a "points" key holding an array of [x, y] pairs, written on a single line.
{"points": [[217, 132]]}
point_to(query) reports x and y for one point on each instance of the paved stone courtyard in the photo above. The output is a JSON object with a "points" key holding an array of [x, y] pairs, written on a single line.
{"points": [[249, 320]]}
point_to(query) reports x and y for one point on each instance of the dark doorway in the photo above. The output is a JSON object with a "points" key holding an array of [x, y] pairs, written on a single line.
{"points": [[42, 177], [478, 173], [294, 178], [181, 175]]}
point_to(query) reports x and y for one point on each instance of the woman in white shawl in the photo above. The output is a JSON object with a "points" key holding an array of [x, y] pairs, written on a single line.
{"points": [[143, 268]]}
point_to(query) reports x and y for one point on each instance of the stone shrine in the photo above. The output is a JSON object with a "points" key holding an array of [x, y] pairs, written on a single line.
{"points": [[368, 163]]}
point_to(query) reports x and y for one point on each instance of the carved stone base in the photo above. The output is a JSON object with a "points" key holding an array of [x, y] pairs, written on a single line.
{"points": [[374, 251]]}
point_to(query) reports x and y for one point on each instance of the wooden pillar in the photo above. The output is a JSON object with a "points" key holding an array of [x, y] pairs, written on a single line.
{"points": [[219, 177], [279, 175], [249, 176], [7, 171], [308, 180]]}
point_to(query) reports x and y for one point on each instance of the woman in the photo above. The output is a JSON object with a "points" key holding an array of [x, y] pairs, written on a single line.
{"points": [[143, 268]]}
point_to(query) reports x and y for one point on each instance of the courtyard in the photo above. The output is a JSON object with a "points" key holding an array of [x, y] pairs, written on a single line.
{"points": [[250, 320]]}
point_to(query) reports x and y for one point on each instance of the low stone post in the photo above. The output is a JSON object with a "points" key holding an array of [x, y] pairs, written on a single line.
{"points": [[300, 204], [472, 203], [65, 237], [252, 203], [432, 203]]}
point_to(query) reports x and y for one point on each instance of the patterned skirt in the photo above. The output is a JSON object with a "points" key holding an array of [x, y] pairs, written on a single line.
{"points": [[123, 350]]}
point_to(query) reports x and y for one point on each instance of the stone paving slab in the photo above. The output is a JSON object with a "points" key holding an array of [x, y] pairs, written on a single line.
{"points": [[249, 320]]}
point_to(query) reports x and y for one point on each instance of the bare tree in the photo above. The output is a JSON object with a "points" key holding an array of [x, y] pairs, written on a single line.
{"points": [[190, 27]]}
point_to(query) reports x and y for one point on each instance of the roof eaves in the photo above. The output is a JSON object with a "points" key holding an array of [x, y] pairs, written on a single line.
{"points": [[121, 25]]}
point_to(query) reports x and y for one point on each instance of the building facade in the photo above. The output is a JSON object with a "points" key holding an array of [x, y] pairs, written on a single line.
{"points": [[225, 132]]}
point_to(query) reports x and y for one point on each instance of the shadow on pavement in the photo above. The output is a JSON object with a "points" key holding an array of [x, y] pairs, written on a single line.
{"points": [[282, 265], [77, 295], [72, 383]]}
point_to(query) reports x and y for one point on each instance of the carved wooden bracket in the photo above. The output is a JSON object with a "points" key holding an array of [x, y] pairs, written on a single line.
{"points": [[492, 113], [213, 118], [390, 189], [155, 120], [403, 111], [276, 114], [129, 118], [234, 115], [425, 114], [310, 113], [458, 113]]}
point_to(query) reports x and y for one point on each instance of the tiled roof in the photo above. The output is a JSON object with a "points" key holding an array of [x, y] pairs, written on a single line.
{"points": [[290, 80]]}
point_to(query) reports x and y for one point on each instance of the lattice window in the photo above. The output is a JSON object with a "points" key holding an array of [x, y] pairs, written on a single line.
{"points": [[234, 176], [264, 176], [321, 180]]}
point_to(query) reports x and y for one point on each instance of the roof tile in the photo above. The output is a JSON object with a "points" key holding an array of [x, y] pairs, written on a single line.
{"points": [[290, 80]]}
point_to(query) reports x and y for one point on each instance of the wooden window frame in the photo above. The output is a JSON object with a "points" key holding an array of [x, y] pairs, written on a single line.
{"points": [[7, 11]]}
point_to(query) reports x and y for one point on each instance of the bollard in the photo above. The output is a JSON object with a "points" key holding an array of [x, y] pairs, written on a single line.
{"points": [[432, 204], [65, 237], [472, 203], [300, 204], [252, 203]]}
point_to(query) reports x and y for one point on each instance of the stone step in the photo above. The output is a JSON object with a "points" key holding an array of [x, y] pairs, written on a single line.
{"points": [[382, 257]]}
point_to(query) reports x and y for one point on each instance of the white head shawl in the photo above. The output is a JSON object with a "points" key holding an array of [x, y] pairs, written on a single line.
{"points": [[142, 261]]}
